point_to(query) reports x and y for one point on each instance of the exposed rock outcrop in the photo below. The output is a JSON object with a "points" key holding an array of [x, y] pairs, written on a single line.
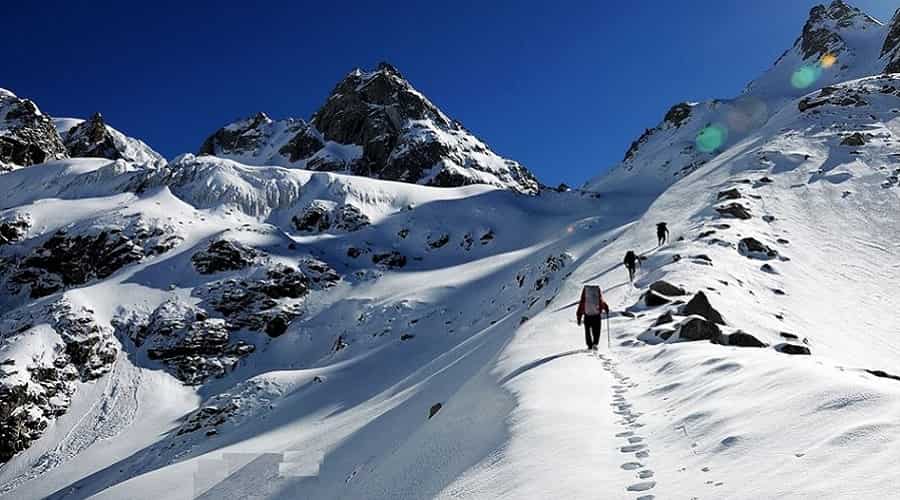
{"points": [[27, 136]]}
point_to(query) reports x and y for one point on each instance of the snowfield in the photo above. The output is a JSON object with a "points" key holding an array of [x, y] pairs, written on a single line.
{"points": [[215, 329]]}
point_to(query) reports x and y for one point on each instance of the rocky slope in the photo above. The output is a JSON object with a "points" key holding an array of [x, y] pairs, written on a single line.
{"points": [[27, 135], [377, 125], [838, 43], [93, 138]]}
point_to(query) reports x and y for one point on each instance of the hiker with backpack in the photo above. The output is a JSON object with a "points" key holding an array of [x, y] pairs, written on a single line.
{"points": [[662, 233], [591, 308], [631, 261]]}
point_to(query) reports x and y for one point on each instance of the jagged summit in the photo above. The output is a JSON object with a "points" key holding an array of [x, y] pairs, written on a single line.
{"points": [[376, 124], [27, 135], [94, 138], [837, 43]]}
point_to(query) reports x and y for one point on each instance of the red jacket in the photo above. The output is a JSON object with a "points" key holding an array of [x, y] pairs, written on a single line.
{"points": [[604, 307]]}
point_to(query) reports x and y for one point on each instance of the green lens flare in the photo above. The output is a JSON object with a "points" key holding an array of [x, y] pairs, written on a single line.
{"points": [[711, 138], [805, 76]]}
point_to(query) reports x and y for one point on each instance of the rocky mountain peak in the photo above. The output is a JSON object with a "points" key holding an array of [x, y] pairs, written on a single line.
{"points": [[376, 124], [27, 136], [820, 34], [891, 46]]}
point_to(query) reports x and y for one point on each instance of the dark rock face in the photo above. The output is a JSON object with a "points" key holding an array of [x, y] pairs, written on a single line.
{"points": [[666, 288], [734, 210], [699, 329], [818, 38], [192, 346], [655, 299], [741, 339], [223, 255], [91, 139], [27, 136], [854, 139], [755, 249], [13, 230], [793, 349], [389, 259], [435, 408], [85, 352], [700, 306], [319, 217], [320, 274], [891, 47], [261, 304], [729, 194], [440, 241], [64, 260], [664, 318], [377, 125]]}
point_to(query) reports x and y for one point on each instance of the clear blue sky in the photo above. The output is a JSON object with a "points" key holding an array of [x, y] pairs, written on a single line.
{"points": [[563, 87]]}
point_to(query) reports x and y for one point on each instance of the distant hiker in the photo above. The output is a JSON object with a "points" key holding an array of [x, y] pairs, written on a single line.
{"points": [[591, 307], [631, 261], [662, 233]]}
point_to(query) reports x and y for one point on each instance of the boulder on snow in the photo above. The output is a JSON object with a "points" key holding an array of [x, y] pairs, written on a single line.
{"points": [[740, 339], [13, 230], [699, 305], [729, 194], [654, 299], [435, 408], [855, 139], [666, 288], [698, 328], [389, 259], [792, 349], [755, 249], [223, 255], [735, 210], [664, 318]]}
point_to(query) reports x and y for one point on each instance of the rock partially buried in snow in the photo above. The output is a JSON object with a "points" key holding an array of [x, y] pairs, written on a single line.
{"points": [[735, 210], [755, 249], [699, 305], [729, 194], [698, 328], [666, 288], [435, 408], [223, 255], [739, 338], [793, 349], [654, 299]]}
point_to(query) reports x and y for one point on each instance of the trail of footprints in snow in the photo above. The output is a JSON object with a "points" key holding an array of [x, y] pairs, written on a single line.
{"points": [[632, 443]]}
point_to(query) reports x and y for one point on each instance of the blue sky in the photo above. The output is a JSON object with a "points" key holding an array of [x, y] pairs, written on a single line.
{"points": [[563, 87]]}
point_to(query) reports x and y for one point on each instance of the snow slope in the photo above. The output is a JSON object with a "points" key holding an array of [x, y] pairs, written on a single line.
{"points": [[423, 343]]}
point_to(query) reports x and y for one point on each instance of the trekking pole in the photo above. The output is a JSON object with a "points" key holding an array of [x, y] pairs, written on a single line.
{"points": [[608, 334]]}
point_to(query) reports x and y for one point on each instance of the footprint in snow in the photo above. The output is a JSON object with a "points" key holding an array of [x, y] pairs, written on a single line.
{"points": [[624, 434], [644, 474], [631, 465], [642, 486], [632, 448], [635, 439], [642, 454], [646, 497]]}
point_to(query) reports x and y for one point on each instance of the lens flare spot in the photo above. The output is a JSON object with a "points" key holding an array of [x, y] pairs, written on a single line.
{"points": [[805, 76], [711, 138], [570, 229], [827, 60]]}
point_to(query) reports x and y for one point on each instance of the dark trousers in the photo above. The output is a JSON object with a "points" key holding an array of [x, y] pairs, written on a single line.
{"points": [[592, 326], [662, 238]]}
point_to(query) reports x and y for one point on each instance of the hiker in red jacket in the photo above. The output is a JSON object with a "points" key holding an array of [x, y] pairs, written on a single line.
{"points": [[591, 308]]}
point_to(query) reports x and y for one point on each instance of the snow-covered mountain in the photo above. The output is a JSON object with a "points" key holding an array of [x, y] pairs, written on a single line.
{"points": [[220, 328], [838, 43], [93, 138], [377, 125], [28, 137]]}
